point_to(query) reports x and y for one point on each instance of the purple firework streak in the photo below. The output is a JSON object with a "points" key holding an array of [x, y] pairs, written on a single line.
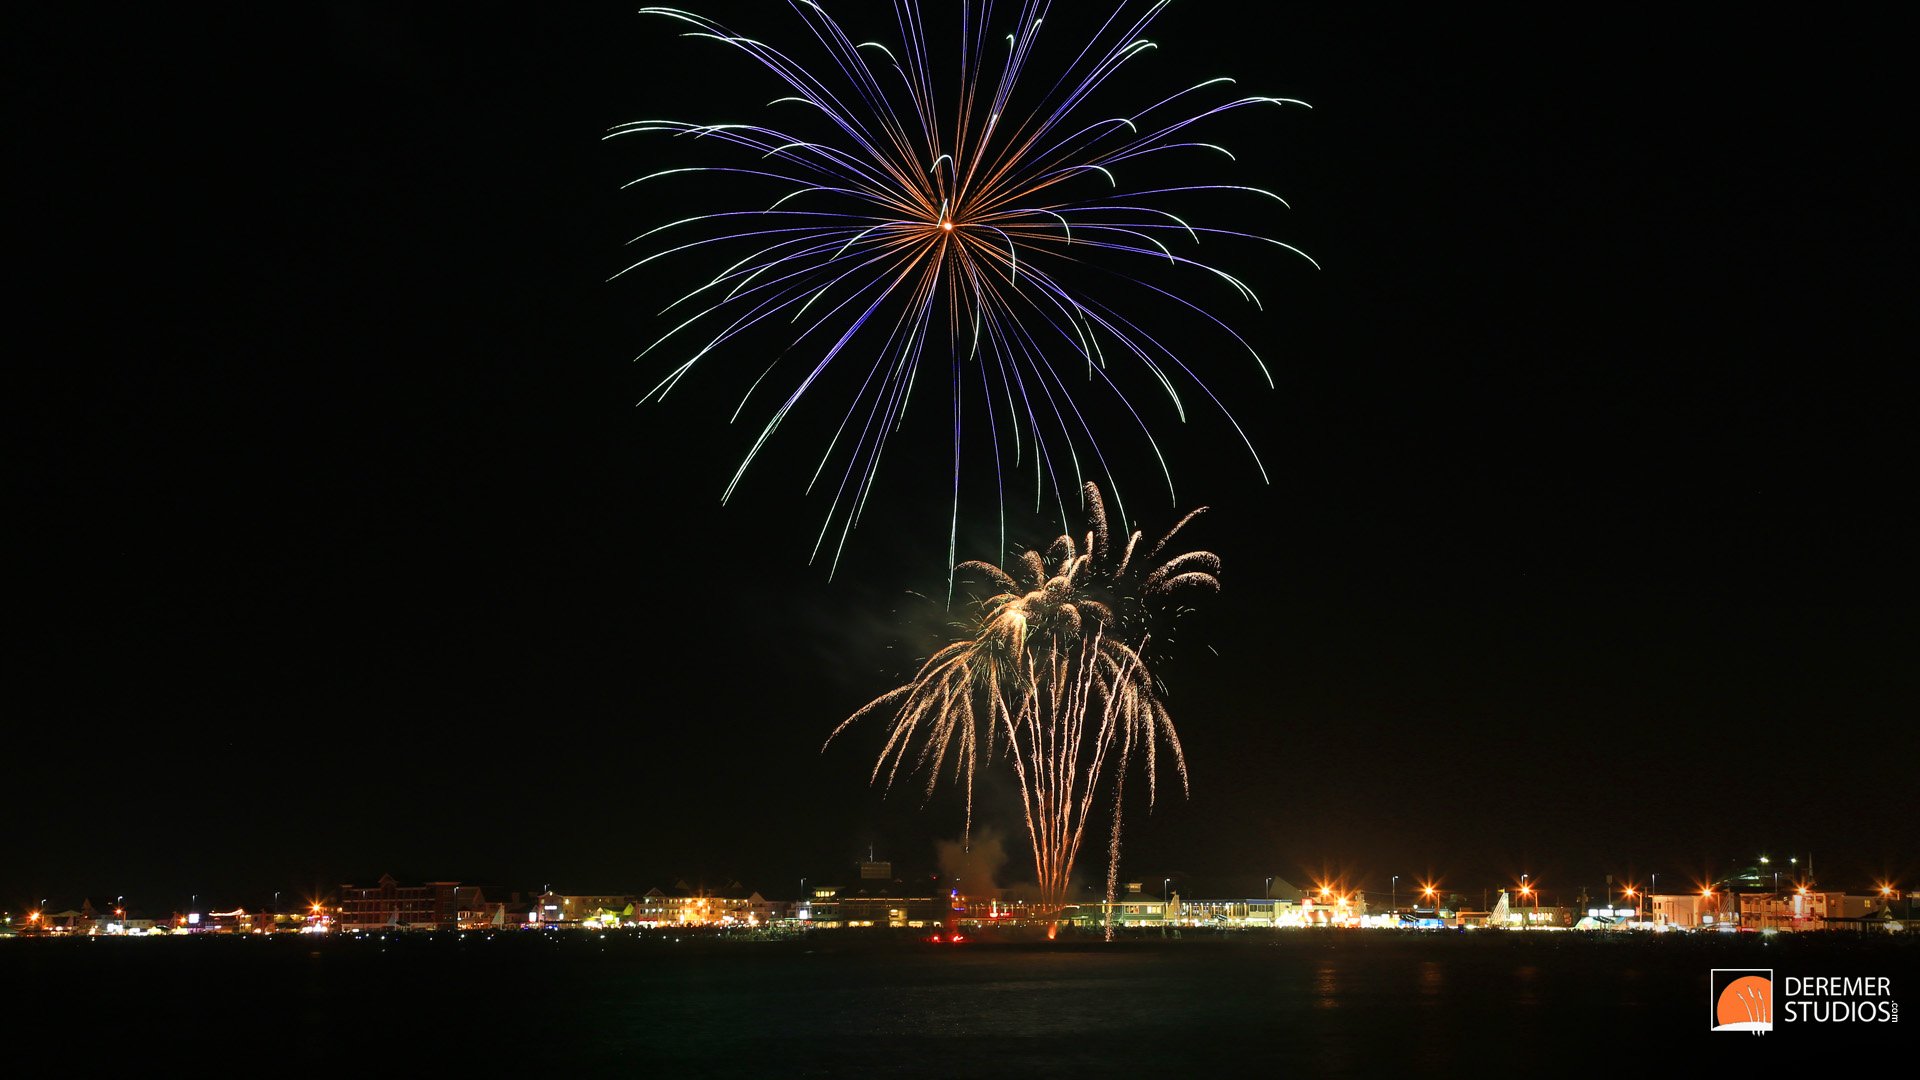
{"points": [[908, 220]]}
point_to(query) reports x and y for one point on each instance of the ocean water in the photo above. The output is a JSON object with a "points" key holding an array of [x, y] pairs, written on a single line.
{"points": [[1332, 1003]]}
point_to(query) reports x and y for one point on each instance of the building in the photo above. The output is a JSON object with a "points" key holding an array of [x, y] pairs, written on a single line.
{"points": [[1609, 917], [1130, 906], [605, 909], [1329, 908], [237, 921], [1801, 909], [1685, 911], [878, 904], [1806, 908], [1511, 914], [389, 905], [997, 911], [730, 905], [1280, 904]]}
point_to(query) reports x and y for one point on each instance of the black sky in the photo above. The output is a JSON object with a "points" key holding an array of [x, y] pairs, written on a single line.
{"points": [[338, 545]]}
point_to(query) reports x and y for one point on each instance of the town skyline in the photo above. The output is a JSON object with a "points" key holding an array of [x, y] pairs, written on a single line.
{"points": [[951, 868], [873, 896]]}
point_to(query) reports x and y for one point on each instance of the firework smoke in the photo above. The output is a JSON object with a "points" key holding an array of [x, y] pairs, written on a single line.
{"points": [[974, 863]]}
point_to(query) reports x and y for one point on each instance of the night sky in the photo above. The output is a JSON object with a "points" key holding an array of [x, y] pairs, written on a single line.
{"points": [[337, 545]]}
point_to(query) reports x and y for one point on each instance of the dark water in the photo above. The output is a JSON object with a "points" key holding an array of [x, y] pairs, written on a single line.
{"points": [[1333, 1003]]}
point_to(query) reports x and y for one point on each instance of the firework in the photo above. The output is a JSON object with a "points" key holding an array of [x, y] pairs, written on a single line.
{"points": [[1010, 230], [1053, 677]]}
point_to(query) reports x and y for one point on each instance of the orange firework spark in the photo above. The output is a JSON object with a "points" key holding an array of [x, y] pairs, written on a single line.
{"points": [[1054, 675]]}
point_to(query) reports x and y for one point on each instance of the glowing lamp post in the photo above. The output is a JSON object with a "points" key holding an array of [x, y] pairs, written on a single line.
{"points": [[1889, 893], [1528, 892]]}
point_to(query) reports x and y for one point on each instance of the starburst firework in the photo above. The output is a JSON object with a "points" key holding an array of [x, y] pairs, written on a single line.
{"points": [[1009, 228]]}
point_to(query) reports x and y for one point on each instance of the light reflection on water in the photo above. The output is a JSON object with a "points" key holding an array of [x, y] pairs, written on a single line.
{"points": [[1432, 980], [1525, 992], [1326, 987], [1324, 1004]]}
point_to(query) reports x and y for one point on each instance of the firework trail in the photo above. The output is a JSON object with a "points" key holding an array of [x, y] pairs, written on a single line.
{"points": [[1011, 230], [1053, 676]]}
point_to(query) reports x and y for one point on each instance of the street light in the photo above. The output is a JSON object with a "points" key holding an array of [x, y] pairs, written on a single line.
{"points": [[1393, 894]]}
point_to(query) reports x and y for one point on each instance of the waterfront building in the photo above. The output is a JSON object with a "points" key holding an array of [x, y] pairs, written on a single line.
{"points": [[996, 911], [1267, 911], [1131, 906], [879, 904], [1812, 909], [1511, 914], [69, 921], [1329, 908], [552, 909], [1801, 909], [389, 905], [731, 905], [1682, 911], [237, 921], [1609, 917]]}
